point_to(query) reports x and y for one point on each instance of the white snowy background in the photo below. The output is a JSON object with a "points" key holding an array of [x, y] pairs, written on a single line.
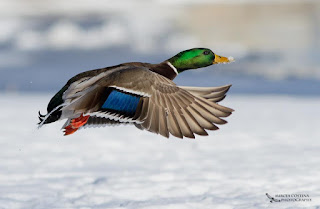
{"points": [[270, 145]]}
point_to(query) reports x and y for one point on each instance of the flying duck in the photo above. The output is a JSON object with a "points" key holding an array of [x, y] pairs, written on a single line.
{"points": [[144, 95]]}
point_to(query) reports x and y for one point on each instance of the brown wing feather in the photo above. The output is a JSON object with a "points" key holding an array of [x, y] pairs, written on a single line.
{"points": [[165, 108], [181, 112], [214, 94]]}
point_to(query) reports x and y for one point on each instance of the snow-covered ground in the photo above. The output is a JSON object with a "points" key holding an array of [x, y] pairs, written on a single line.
{"points": [[270, 145]]}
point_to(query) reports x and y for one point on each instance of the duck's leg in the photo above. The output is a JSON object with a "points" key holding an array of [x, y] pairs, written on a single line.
{"points": [[75, 124]]}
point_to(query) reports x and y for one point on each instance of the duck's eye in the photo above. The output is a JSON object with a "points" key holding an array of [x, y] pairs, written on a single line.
{"points": [[206, 52]]}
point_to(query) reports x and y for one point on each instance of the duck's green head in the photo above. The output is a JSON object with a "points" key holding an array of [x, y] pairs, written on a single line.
{"points": [[196, 58]]}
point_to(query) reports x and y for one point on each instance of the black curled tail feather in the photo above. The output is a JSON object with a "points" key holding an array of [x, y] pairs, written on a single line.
{"points": [[41, 117], [52, 117], [55, 101]]}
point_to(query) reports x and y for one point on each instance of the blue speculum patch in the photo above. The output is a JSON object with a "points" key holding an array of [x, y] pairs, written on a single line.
{"points": [[121, 102]]}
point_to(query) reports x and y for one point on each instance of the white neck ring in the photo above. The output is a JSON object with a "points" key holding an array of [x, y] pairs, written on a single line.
{"points": [[173, 68]]}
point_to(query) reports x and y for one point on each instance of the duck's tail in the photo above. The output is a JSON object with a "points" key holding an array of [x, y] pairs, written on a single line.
{"points": [[54, 108], [52, 116]]}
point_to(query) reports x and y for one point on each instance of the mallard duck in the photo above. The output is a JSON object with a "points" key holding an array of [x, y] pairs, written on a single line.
{"points": [[144, 95]]}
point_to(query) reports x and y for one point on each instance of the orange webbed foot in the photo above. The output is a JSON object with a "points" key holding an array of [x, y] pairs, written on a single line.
{"points": [[80, 121], [75, 124], [69, 130]]}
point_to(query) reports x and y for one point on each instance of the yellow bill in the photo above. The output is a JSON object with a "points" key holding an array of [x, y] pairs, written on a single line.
{"points": [[219, 59]]}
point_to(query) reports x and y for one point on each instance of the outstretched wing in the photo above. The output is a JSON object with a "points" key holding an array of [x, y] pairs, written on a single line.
{"points": [[169, 109], [152, 102]]}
